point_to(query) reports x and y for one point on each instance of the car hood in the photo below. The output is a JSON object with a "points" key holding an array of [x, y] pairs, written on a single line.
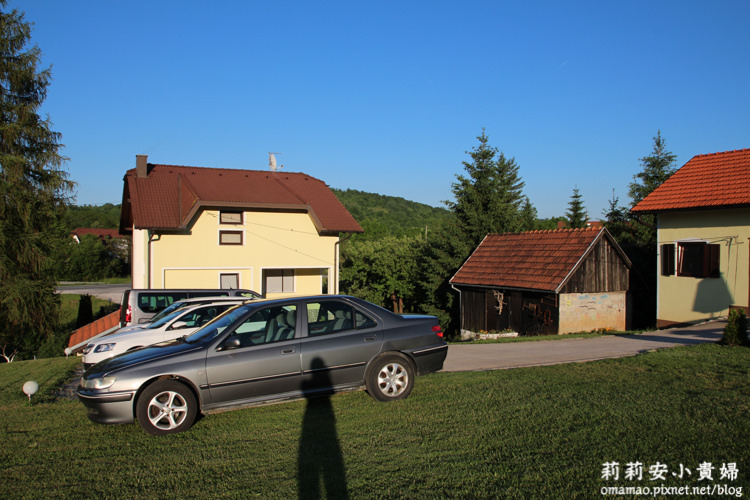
{"points": [[122, 336], [153, 352]]}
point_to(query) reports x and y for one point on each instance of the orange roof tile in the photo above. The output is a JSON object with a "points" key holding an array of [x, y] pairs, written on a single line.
{"points": [[93, 329], [534, 260], [102, 234], [706, 181], [169, 196]]}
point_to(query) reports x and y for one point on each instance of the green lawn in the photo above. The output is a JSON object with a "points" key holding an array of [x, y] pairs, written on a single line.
{"points": [[542, 432]]}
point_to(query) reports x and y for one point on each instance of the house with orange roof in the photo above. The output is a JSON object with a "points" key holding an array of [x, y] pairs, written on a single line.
{"points": [[544, 283], [703, 234], [196, 227]]}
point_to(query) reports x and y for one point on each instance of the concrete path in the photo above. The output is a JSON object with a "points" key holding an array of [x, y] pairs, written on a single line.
{"points": [[474, 357], [112, 293]]}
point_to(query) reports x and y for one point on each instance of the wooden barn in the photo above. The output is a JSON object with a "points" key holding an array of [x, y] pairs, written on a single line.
{"points": [[544, 283]]}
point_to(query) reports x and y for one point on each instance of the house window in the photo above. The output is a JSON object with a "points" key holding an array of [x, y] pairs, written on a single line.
{"points": [[230, 237], [667, 259], [278, 280], [698, 260], [230, 281], [230, 217]]}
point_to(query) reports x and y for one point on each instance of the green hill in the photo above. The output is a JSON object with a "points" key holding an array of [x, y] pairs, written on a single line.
{"points": [[381, 215]]}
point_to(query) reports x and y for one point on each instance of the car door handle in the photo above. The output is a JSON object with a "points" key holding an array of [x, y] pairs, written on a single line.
{"points": [[371, 338], [288, 350]]}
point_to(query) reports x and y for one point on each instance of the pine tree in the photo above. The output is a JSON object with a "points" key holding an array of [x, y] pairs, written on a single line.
{"points": [[577, 216], [33, 192], [489, 199], [657, 168]]}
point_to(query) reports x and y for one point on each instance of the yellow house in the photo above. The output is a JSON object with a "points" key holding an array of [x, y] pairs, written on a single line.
{"points": [[272, 232], [703, 234]]}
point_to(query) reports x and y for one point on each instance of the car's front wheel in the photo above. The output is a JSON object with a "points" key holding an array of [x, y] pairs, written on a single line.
{"points": [[166, 407], [390, 377]]}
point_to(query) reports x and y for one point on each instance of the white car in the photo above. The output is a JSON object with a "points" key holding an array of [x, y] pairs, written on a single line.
{"points": [[179, 305], [181, 322]]}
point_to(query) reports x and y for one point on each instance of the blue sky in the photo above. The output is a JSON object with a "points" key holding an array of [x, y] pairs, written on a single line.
{"points": [[388, 96]]}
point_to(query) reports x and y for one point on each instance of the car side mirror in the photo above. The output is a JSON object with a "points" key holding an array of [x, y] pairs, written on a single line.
{"points": [[230, 343], [178, 324]]}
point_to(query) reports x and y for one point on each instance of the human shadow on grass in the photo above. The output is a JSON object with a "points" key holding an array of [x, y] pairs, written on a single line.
{"points": [[320, 458]]}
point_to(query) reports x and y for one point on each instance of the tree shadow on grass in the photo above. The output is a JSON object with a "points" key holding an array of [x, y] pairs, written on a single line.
{"points": [[320, 458]]}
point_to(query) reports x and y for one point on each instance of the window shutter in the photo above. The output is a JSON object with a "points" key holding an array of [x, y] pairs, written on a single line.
{"points": [[667, 259], [711, 255]]}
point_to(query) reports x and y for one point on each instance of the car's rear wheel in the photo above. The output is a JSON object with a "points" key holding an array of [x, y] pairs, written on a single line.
{"points": [[390, 377], [166, 407]]}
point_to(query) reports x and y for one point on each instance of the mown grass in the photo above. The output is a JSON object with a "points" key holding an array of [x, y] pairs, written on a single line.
{"points": [[69, 309], [542, 432]]}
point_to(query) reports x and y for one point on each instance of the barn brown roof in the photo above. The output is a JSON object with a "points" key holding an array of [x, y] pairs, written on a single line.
{"points": [[165, 197], [534, 260], [102, 234], [706, 181]]}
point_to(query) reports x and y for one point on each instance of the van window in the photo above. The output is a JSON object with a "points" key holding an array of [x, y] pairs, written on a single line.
{"points": [[153, 302]]}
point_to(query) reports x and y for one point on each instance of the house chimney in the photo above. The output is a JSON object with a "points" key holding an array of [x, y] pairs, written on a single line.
{"points": [[141, 165]]}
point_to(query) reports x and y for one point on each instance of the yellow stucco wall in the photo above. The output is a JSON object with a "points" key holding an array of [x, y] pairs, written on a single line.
{"points": [[584, 312], [683, 299], [270, 240]]}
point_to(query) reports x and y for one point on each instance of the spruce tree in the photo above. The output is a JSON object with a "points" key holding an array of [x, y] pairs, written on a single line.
{"points": [[489, 199], [577, 216], [657, 168], [33, 192]]}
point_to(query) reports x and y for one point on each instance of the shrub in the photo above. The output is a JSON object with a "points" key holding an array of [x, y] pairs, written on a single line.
{"points": [[735, 333]]}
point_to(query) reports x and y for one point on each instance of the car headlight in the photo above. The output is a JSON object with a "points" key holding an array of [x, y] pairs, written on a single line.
{"points": [[97, 383], [104, 347]]}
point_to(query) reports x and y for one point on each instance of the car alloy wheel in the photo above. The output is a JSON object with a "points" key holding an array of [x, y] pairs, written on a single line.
{"points": [[391, 377], [166, 407]]}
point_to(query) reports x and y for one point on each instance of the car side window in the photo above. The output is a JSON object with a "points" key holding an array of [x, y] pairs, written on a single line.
{"points": [[327, 317], [272, 324]]}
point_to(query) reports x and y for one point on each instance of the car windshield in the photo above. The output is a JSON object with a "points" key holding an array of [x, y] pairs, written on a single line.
{"points": [[169, 310], [218, 325], [166, 319]]}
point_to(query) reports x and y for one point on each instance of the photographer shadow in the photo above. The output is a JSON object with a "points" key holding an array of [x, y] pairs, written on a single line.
{"points": [[320, 458]]}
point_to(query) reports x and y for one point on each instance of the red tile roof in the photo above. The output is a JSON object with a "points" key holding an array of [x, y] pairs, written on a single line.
{"points": [[534, 260], [102, 234], [706, 181], [78, 337], [170, 196]]}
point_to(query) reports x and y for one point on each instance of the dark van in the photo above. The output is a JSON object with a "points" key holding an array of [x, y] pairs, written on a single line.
{"points": [[138, 305]]}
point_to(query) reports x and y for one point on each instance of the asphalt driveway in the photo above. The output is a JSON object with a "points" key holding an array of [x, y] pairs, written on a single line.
{"points": [[474, 357]]}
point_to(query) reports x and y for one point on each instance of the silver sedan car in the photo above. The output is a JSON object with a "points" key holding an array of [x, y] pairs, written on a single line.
{"points": [[265, 351]]}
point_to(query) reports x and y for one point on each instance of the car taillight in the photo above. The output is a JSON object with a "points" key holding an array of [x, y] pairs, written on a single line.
{"points": [[129, 314], [437, 331]]}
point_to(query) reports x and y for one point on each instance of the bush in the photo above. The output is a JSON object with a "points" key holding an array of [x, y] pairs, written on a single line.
{"points": [[735, 333]]}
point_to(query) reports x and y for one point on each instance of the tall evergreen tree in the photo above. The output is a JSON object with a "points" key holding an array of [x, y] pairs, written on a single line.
{"points": [[577, 216], [528, 216], [637, 234], [33, 191], [488, 199], [657, 168]]}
